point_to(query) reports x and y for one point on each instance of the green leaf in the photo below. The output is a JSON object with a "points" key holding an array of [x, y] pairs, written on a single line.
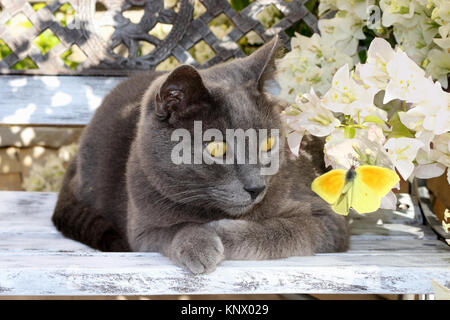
{"points": [[373, 119], [398, 128], [238, 5], [362, 54], [312, 6], [349, 132]]}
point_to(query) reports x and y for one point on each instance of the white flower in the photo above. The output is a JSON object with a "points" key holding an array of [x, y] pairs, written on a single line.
{"points": [[412, 119], [326, 5], [358, 7], [442, 143], [375, 133], [434, 162], [310, 64], [314, 117], [398, 12], [343, 31], [364, 148], [427, 167], [347, 96], [438, 65], [436, 107], [374, 72], [402, 152], [373, 111], [406, 79], [426, 137], [441, 11], [416, 40], [441, 149], [432, 110], [444, 41]]}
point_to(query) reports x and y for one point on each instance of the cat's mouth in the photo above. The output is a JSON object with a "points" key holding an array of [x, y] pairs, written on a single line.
{"points": [[235, 209]]}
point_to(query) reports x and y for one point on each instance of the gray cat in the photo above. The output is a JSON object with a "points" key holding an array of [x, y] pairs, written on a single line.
{"points": [[123, 192]]}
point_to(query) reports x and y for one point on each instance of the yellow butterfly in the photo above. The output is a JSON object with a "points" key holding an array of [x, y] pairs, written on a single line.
{"points": [[361, 188]]}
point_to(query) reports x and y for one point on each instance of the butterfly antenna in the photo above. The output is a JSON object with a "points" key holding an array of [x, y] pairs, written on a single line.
{"points": [[355, 162]]}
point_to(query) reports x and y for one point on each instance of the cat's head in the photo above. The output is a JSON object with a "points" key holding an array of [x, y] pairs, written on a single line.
{"points": [[185, 146]]}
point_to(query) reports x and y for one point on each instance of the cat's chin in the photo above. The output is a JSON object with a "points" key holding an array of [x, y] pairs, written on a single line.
{"points": [[237, 211]]}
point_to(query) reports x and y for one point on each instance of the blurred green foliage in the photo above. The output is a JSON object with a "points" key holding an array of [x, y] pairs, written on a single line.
{"points": [[45, 41], [238, 5], [4, 50]]}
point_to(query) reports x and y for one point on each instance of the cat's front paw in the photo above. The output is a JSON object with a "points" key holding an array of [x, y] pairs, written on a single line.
{"points": [[198, 249]]}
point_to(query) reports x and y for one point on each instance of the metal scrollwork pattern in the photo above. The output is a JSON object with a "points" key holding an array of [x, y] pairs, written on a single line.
{"points": [[86, 32]]}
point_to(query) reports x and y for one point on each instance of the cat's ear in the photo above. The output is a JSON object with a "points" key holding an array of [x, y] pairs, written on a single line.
{"points": [[261, 63], [180, 93]]}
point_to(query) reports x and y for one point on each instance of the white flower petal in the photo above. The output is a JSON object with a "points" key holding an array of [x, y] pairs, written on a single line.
{"points": [[427, 171], [405, 168], [294, 140], [389, 201]]}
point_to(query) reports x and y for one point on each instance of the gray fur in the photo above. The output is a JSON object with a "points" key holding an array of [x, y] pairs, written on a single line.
{"points": [[122, 192]]}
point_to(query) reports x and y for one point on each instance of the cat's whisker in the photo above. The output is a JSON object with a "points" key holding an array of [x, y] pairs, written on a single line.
{"points": [[180, 198]]}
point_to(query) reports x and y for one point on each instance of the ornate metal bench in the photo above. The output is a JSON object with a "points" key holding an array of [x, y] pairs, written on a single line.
{"points": [[391, 251]]}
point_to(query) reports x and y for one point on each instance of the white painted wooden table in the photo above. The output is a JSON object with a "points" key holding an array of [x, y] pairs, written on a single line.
{"points": [[391, 252]]}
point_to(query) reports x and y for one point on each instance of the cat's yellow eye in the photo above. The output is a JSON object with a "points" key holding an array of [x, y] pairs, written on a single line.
{"points": [[268, 144], [217, 148]]}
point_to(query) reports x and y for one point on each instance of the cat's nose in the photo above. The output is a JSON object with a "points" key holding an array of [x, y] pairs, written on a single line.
{"points": [[254, 191]]}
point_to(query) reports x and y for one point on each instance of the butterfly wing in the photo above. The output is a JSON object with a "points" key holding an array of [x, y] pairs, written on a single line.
{"points": [[363, 200], [342, 205], [329, 185], [379, 180], [370, 185]]}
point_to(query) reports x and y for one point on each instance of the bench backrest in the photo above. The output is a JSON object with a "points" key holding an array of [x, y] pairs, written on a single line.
{"points": [[86, 30]]}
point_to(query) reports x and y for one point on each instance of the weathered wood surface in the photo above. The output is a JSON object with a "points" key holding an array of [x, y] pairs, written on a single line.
{"points": [[149, 273], [424, 198], [57, 100], [52, 100], [36, 260]]}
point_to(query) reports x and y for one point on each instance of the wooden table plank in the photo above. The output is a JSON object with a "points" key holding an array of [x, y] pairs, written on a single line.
{"points": [[42, 242], [36, 260], [52, 100], [55, 242], [396, 246], [26, 211], [147, 273]]}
